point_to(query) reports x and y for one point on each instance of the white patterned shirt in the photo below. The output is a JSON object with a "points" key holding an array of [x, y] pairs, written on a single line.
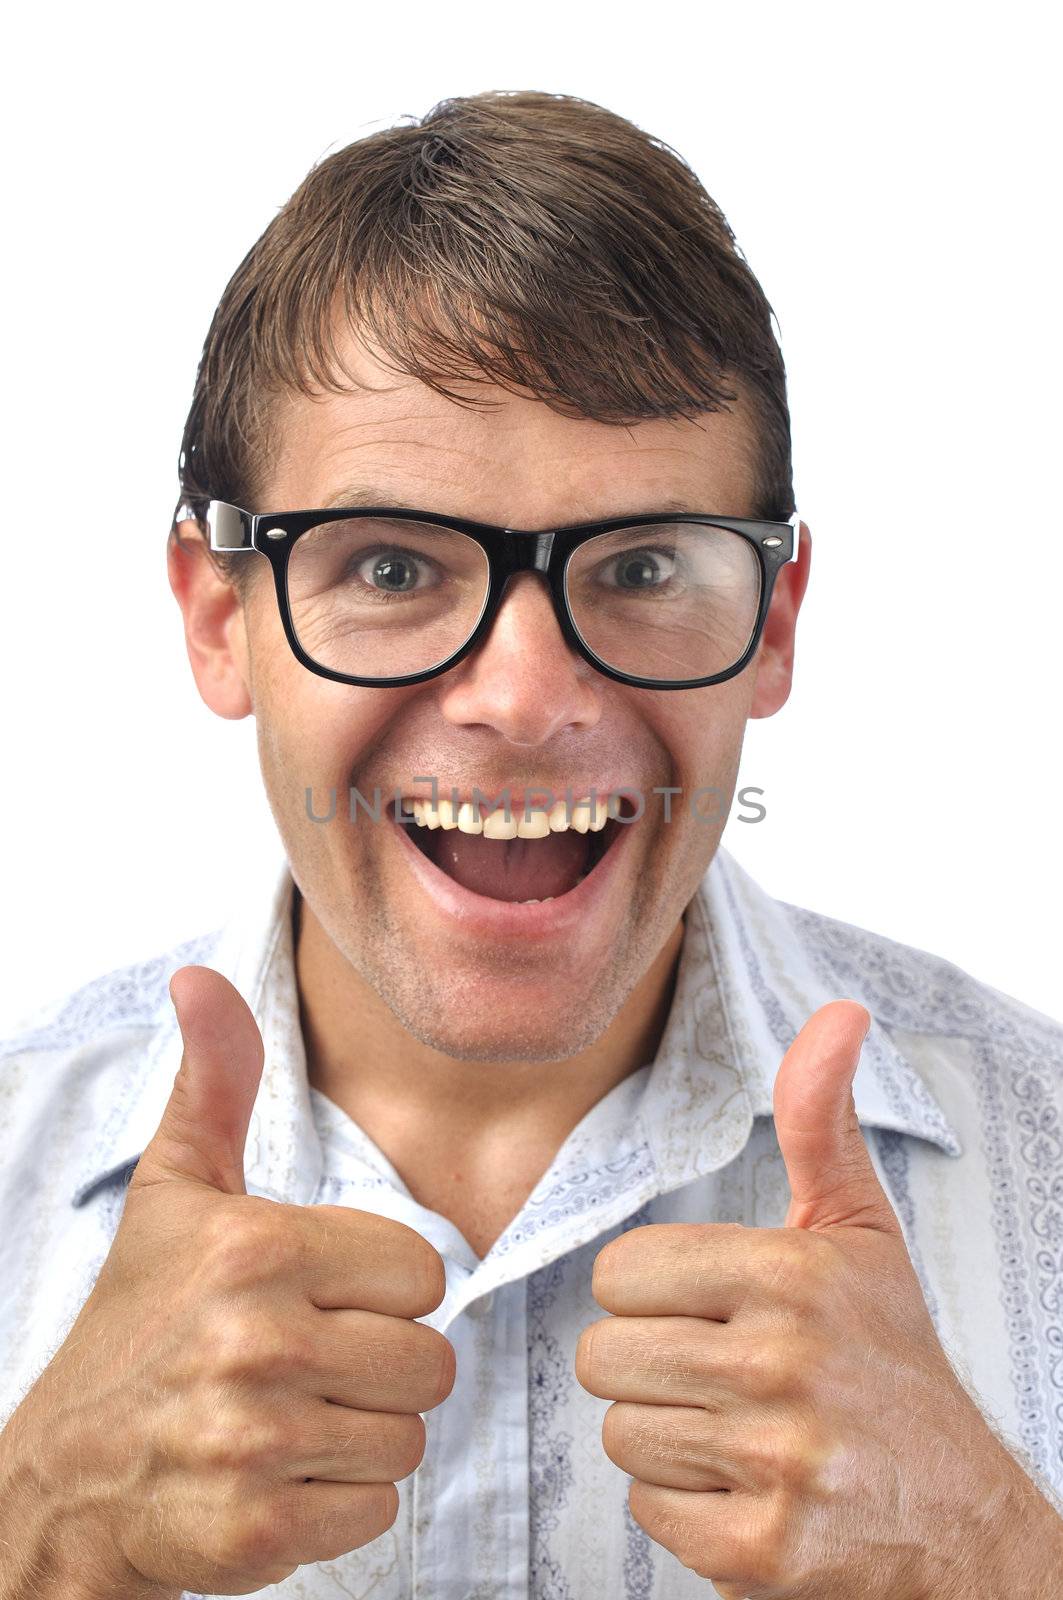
{"points": [[959, 1092]]}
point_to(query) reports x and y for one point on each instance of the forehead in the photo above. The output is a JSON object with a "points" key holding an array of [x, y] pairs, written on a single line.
{"points": [[494, 455]]}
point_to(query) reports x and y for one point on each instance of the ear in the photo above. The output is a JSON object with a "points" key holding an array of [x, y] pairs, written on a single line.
{"points": [[775, 657], [215, 631]]}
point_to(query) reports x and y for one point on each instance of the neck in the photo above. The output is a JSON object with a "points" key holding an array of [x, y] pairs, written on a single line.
{"points": [[413, 1100]]}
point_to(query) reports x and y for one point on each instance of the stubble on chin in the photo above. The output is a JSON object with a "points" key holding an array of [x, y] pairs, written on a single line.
{"points": [[507, 1008]]}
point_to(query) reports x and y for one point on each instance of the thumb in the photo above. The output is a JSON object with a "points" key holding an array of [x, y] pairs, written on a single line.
{"points": [[832, 1181], [203, 1130]]}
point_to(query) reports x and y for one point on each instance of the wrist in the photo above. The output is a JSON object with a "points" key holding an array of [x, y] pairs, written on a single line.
{"points": [[1010, 1544], [50, 1548], [1026, 1555]]}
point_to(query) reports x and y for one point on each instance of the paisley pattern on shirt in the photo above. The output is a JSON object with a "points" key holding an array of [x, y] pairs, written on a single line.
{"points": [[959, 1093]]}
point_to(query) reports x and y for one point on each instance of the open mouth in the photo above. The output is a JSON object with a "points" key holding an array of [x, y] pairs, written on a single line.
{"points": [[526, 870]]}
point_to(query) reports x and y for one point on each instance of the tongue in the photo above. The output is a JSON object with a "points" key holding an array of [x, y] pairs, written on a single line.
{"points": [[511, 869]]}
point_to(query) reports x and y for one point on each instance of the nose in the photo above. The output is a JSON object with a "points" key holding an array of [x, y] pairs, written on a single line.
{"points": [[523, 679]]}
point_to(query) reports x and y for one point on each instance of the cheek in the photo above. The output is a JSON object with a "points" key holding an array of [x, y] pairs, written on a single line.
{"points": [[703, 729], [314, 734]]}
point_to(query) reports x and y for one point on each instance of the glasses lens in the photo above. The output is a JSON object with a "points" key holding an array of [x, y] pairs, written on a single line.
{"points": [[665, 600], [384, 597]]}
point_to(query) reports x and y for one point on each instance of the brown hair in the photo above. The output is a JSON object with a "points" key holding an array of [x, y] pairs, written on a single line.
{"points": [[535, 240]]}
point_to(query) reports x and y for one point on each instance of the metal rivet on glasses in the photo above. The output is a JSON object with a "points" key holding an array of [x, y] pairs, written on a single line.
{"points": [[772, 542], [282, 533]]}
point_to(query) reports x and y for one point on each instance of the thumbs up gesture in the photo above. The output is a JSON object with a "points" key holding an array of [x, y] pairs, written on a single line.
{"points": [[793, 1426], [242, 1387]]}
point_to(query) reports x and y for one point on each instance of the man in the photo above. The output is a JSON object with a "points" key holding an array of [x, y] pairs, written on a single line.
{"points": [[518, 1200]]}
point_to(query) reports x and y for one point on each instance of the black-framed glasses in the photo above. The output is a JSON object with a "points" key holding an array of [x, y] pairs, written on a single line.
{"points": [[381, 596]]}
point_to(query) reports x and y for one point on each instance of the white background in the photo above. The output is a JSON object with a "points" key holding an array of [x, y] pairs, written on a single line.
{"points": [[891, 174]]}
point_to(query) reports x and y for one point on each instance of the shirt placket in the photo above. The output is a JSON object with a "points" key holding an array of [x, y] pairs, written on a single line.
{"points": [[470, 1493]]}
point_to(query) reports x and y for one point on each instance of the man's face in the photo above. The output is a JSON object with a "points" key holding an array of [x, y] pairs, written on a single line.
{"points": [[472, 976]]}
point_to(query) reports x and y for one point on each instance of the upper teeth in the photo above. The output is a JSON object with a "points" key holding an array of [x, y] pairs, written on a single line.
{"points": [[467, 819]]}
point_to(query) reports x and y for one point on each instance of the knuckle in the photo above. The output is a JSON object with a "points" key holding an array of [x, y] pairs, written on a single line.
{"points": [[683, 1366], [238, 1440], [766, 1551], [773, 1455], [629, 1434], [251, 1543], [240, 1250], [798, 1361], [754, 1552], [279, 1351], [797, 1268], [229, 1341], [780, 1368], [780, 1262], [678, 1531], [751, 1369], [241, 1346], [820, 1262], [215, 1229]]}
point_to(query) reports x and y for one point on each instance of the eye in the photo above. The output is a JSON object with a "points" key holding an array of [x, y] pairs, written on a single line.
{"points": [[394, 571], [640, 569]]}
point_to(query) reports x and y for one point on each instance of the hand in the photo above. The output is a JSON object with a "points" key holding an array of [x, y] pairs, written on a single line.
{"points": [[242, 1387], [793, 1425]]}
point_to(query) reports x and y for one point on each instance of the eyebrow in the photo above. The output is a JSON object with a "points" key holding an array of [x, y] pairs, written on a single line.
{"points": [[363, 494]]}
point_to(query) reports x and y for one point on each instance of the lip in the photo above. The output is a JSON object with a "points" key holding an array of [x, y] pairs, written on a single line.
{"points": [[478, 914]]}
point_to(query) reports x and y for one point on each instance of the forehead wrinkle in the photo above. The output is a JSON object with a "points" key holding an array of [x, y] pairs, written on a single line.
{"points": [[440, 472], [352, 436], [316, 431], [580, 507]]}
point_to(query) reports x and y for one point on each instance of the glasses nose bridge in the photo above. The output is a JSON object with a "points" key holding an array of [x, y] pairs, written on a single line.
{"points": [[528, 552]]}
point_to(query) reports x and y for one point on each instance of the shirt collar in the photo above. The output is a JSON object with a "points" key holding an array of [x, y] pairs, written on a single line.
{"points": [[774, 972], [254, 950], [746, 983]]}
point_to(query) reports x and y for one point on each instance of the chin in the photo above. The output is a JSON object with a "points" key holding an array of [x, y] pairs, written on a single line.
{"points": [[500, 1028]]}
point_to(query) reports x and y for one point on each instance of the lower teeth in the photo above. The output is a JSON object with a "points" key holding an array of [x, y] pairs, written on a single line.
{"points": [[547, 897]]}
